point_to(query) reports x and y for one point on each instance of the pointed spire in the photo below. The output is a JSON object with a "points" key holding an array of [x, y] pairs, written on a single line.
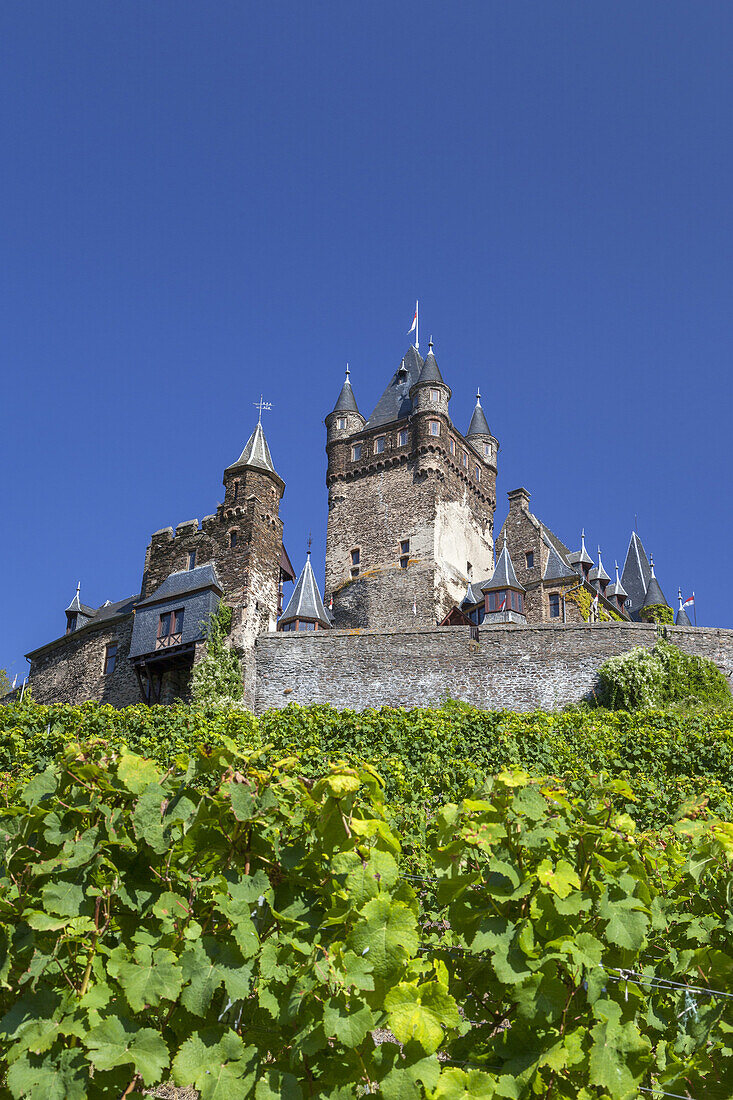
{"points": [[430, 371], [75, 604], [617, 589], [504, 575], [682, 618], [598, 575], [479, 425], [346, 400], [580, 557], [636, 574], [305, 603], [654, 595], [256, 452]]}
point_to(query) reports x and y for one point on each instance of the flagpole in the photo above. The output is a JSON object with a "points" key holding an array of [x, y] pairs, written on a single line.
{"points": [[417, 324], [694, 607]]}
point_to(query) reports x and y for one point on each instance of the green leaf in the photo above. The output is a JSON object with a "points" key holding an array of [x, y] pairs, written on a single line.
{"points": [[206, 964], [419, 1013], [457, 1084], [149, 977], [278, 1086], [562, 880], [347, 1022], [217, 1064], [137, 774], [115, 1042], [616, 1057], [385, 934], [42, 785], [63, 897]]}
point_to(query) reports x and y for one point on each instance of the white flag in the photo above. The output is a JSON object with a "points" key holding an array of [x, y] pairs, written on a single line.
{"points": [[413, 326]]}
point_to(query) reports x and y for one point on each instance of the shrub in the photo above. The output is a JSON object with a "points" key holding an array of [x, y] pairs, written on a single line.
{"points": [[662, 676], [218, 676]]}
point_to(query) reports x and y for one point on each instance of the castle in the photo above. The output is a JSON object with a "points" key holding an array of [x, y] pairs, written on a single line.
{"points": [[411, 554]]}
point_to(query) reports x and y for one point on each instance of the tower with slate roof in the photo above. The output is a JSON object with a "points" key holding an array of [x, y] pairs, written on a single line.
{"points": [[410, 502]]}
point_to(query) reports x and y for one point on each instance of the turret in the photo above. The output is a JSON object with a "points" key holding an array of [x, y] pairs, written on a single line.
{"points": [[430, 394], [581, 560], [617, 592], [77, 613], [503, 592], [654, 605], [682, 619], [253, 474], [344, 419], [305, 610], [598, 576], [479, 434]]}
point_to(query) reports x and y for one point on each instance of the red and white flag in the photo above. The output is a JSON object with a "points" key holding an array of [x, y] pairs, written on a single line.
{"points": [[690, 602], [413, 326], [502, 605]]}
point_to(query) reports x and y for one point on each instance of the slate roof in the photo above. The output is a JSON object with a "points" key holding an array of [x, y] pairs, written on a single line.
{"points": [[636, 573], [654, 594], [504, 575], [346, 400], [431, 371], [118, 609], [395, 403], [306, 602], [598, 573], [183, 583], [79, 607], [256, 453], [479, 424], [578, 557], [616, 589], [682, 618], [473, 596], [556, 568]]}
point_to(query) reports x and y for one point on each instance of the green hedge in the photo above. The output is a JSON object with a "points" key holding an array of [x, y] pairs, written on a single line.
{"points": [[427, 757]]}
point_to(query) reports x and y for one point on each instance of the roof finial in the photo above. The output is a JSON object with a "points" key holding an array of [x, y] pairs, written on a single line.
{"points": [[582, 539], [263, 406], [679, 597], [505, 540], [78, 587], [616, 564], [430, 345], [309, 543], [651, 563], [478, 396], [348, 372]]}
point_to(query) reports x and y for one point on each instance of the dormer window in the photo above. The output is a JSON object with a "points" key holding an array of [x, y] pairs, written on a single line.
{"points": [[170, 629], [434, 395], [435, 427], [379, 444], [341, 423], [402, 438], [356, 452]]}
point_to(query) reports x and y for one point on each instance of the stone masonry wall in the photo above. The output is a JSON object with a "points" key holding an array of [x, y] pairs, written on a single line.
{"points": [[515, 667], [73, 670]]}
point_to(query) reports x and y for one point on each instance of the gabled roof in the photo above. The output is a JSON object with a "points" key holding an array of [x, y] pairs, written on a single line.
{"points": [[430, 371], [395, 403], [346, 400], [185, 582], [256, 453], [479, 424], [636, 573], [504, 575], [305, 602], [556, 567]]}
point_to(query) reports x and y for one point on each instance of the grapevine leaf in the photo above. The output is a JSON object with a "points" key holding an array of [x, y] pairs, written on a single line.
{"points": [[115, 1042], [136, 774], [149, 977], [386, 934], [417, 1013]]}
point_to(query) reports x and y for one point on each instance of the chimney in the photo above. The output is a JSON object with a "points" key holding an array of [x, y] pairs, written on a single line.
{"points": [[518, 500]]}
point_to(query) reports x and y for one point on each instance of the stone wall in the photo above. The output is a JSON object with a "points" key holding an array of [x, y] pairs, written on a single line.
{"points": [[72, 670], [517, 667]]}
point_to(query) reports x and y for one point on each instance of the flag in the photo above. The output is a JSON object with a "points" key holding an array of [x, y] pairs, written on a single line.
{"points": [[330, 604], [690, 602], [502, 605], [413, 326]]}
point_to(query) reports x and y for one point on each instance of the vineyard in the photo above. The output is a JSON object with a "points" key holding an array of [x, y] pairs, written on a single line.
{"points": [[313, 903]]}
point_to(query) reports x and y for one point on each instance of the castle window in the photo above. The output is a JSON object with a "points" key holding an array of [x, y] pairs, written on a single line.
{"points": [[356, 452], [452, 446], [477, 473], [434, 395], [464, 459], [530, 559], [487, 450], [110, 657], [405, 546], [235, 490], [554, 605], [232, 539], [379, 444], [341, 422], [355, 557], [404, 562], [402, 437], [192, 559], [516, 601], [435, 427], [170, 628], [71, 624], [497, 601]]}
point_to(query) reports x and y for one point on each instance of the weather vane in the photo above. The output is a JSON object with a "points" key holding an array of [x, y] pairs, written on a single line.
{"points": [[263, 406]]}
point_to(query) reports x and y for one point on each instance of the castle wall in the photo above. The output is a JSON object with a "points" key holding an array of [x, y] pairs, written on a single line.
{"points": [[72, 671], [514, 667]]}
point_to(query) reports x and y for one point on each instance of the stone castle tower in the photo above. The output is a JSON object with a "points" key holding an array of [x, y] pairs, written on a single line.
{"points": [[410, 502]]}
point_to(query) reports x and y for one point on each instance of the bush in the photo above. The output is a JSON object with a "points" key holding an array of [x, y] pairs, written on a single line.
{"points": [[660, 677], [218, 676]]}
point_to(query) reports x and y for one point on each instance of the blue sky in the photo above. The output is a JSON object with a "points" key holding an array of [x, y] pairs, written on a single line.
{"points": [[201, 202]]}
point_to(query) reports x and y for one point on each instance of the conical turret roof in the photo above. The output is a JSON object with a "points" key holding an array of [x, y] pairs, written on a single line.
{"points": [[430, 371], [395, 403], [682, 618], [598, 573], [256, 453], [617, 589], [636, 573], [76, 606], [580, 557], [504, 575], [346, 400], [306, 603], [479, 424], [654, 594]]}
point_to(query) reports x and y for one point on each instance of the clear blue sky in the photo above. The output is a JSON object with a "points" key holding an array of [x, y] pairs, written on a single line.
{"points": [[205, 201]]}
